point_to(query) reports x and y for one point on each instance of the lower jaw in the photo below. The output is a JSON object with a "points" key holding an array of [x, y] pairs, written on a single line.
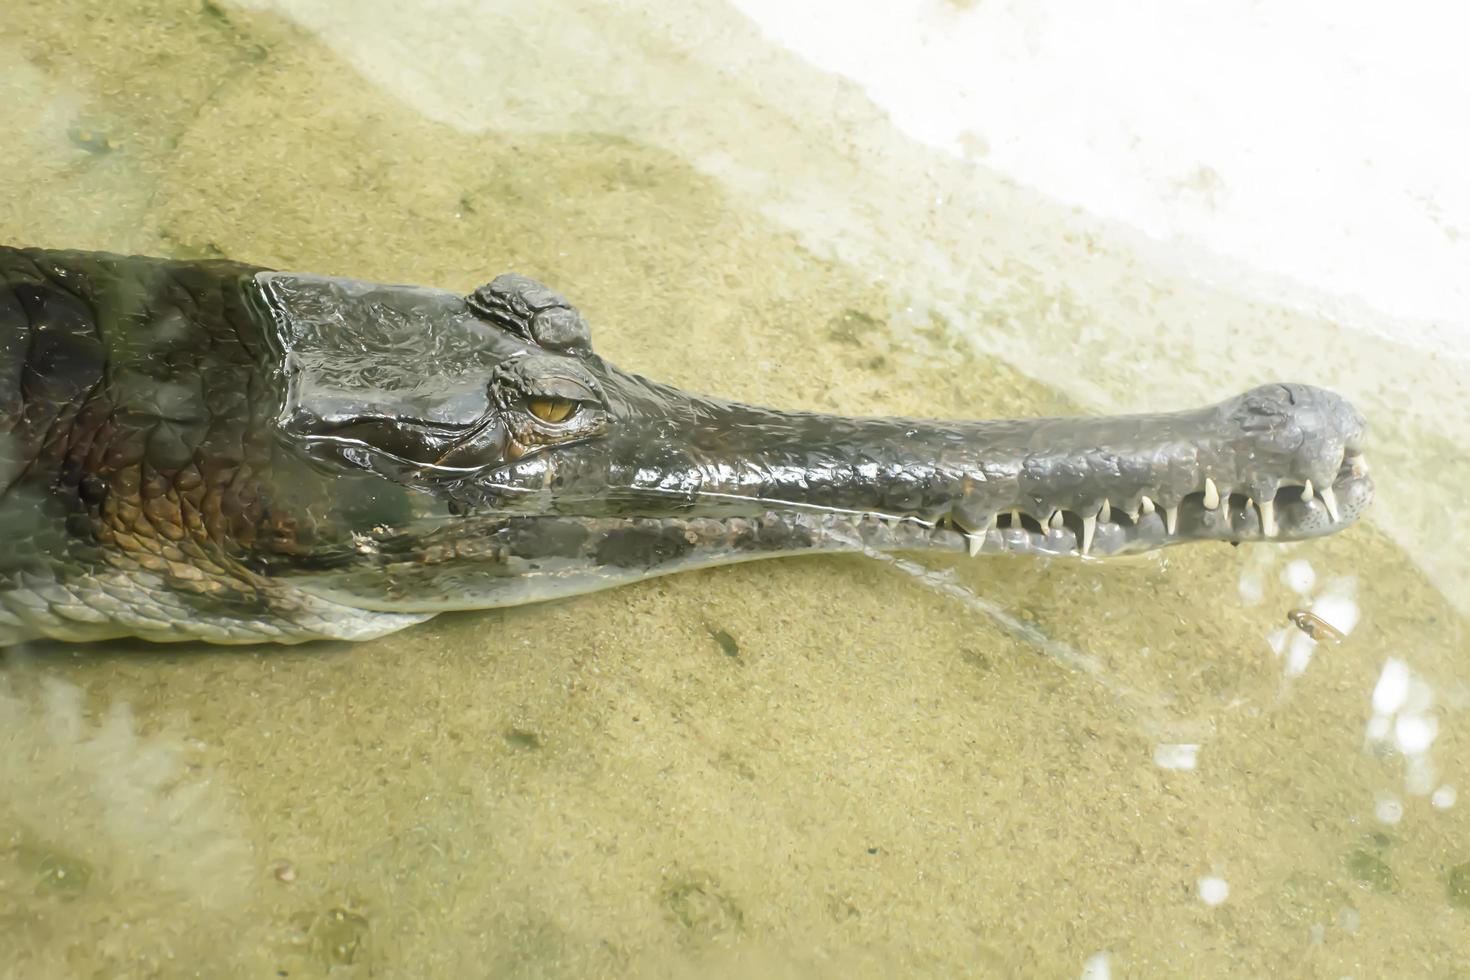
{"points": [[1233, 520], [508, 560], [657, 545]]}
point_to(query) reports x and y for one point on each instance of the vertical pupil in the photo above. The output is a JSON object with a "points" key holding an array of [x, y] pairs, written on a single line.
{"points": [[550, 409]]}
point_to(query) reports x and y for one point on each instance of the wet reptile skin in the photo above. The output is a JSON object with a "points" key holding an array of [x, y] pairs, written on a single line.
{"points": [[136, 397], [215, 451]]}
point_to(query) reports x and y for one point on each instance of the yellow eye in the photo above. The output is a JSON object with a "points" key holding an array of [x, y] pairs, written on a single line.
{"points": [[553, 410]]}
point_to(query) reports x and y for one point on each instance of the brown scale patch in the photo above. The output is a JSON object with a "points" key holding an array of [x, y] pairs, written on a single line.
{"points": [[174, 524]]}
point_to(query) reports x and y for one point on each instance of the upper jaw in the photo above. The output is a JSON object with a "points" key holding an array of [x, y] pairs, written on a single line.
{"points": [[1278, 462]]}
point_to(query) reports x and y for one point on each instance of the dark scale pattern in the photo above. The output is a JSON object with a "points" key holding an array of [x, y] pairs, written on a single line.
{"points": [[136, 438]]}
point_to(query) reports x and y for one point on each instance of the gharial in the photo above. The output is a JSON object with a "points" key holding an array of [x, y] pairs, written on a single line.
{"points": [[217, 451]]}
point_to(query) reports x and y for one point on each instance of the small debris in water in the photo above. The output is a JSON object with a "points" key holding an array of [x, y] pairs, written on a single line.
{"points": [[1457, 887], [1370, 870], [339, 938], [1314, 626], [702, 908], [62, 875], [522, 739], [285, 872], [726, 641], [90, 140]]}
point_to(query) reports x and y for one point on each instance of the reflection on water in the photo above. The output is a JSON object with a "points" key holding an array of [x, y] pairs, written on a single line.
{"points": [[805, 767]]}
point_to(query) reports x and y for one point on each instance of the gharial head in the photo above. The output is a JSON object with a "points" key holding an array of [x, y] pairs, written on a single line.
{"points": [[534, 468]]}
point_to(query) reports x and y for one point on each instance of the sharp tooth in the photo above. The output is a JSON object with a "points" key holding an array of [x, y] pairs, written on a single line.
{"points": [[1171, 518], [1146, 505], [1212, 494], [974, 541], [1055, 523], [1015, 518], [1358, 464], [1105, 512], [1268, 517], [1307, 492], [1329, 499], [1089, 526], [1225, 511]]}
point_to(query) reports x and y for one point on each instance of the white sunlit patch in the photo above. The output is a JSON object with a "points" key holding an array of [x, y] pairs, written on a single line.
{"points": [[1338, 610], [1252, 581], [1378, 728], [1299, 576], [1414, 734], [1421, 776], [1388, 810], [1421, 697], [1252, 587], [1176, 755], [1392, 689], [1444, 797], [1213, 890], [1404, 718], [1299, 654], [1098, 966]]}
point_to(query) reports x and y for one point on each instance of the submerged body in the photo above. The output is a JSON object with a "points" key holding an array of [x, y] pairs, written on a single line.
{"points": [[221, 452]]}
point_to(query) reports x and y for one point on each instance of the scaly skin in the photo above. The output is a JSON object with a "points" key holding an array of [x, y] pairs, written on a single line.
{"points": [[220, 452]]}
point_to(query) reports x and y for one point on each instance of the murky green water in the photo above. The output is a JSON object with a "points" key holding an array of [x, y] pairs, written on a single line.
{"points": [[824, 767]]}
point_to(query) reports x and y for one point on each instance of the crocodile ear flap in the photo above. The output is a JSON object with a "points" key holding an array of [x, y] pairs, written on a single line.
{"points": [[533, 312]]}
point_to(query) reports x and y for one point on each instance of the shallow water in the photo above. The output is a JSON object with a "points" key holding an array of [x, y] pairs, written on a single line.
{"points": [[806, 767]]}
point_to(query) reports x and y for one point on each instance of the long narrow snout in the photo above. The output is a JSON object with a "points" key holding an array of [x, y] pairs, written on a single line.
{"points": [[685, 483], [1281, 461]]}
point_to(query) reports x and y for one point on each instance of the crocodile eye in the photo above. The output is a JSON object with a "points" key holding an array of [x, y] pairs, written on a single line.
{"points": [[551, 410]]}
